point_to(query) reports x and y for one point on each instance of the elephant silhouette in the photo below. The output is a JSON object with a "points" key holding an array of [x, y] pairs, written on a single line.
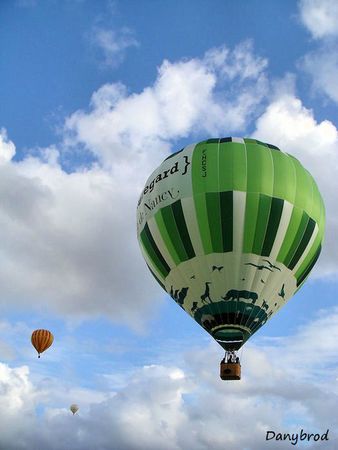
{"points": [[233, 294]]}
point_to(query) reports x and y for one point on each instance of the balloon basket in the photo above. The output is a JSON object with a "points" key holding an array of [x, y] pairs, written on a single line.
{"points": [[230, 371]]}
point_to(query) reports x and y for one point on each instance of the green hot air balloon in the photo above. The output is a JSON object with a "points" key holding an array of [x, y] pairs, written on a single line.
{"points": [[230, 228]]}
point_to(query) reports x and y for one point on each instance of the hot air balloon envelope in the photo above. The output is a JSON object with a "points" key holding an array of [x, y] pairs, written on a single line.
{"points": [[230, 228], [74, 408], [41, 340]]}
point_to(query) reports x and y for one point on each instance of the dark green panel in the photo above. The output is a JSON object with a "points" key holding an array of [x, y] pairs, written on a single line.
{"points": [[153, 251], [173, 232], [214, 220], [182, 228], [303, 243], [297, 239], [309, 267], [262, 223], [273, 224], [251, 213]]}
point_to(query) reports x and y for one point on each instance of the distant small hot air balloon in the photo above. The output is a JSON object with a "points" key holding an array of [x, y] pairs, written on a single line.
{"points": [[41, 340], [74, 408]]}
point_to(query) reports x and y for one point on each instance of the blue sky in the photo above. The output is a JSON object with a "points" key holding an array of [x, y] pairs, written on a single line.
{"points": [[93, 96]]}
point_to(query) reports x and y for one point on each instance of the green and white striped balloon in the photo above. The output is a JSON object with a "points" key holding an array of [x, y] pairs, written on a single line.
{"points": [[230, 228]]}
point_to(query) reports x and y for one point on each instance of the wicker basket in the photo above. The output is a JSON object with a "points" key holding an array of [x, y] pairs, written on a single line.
{"points": [[230, 371]]}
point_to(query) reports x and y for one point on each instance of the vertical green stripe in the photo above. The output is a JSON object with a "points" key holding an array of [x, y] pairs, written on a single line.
{"points": [[317, 204], [251, 211], [295, 220], [260, 169], [170, 224], [303, 243], [162, 227], [321, 220], [262, 223], [203, 223], [232, 166], [284, 183], [226, 200], [314, 248], [304, 188], [182, 228], [205, 168], [214, 219], [302, 277], [153, 252], [273, 224], [297, 239]]}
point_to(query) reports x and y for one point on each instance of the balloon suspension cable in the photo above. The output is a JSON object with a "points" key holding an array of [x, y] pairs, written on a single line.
{"points": [[241, 353], [230, 356]]}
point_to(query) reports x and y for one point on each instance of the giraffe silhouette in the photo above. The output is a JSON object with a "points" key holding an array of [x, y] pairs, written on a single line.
{"points": [[206, 293], [282, 292]]}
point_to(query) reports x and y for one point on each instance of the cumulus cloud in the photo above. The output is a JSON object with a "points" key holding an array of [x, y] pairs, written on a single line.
{"points": [[69, 242], [321, 64], [322, 67], [113, 44], [320, 17], [288, 124], [68, 237], [215, 94], [284, 388], [7, 148]]}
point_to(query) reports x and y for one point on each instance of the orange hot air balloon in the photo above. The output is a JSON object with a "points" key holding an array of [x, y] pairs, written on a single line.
{"points": [[41, 340]]}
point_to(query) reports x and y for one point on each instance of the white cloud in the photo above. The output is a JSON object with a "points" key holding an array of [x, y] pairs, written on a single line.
{"points": [[288, 383], [69, 244], [188, 97], [240, 62], [320, 17], [322, 66], [68, 239], [289, 125], [7, 148], [113, 44]]}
